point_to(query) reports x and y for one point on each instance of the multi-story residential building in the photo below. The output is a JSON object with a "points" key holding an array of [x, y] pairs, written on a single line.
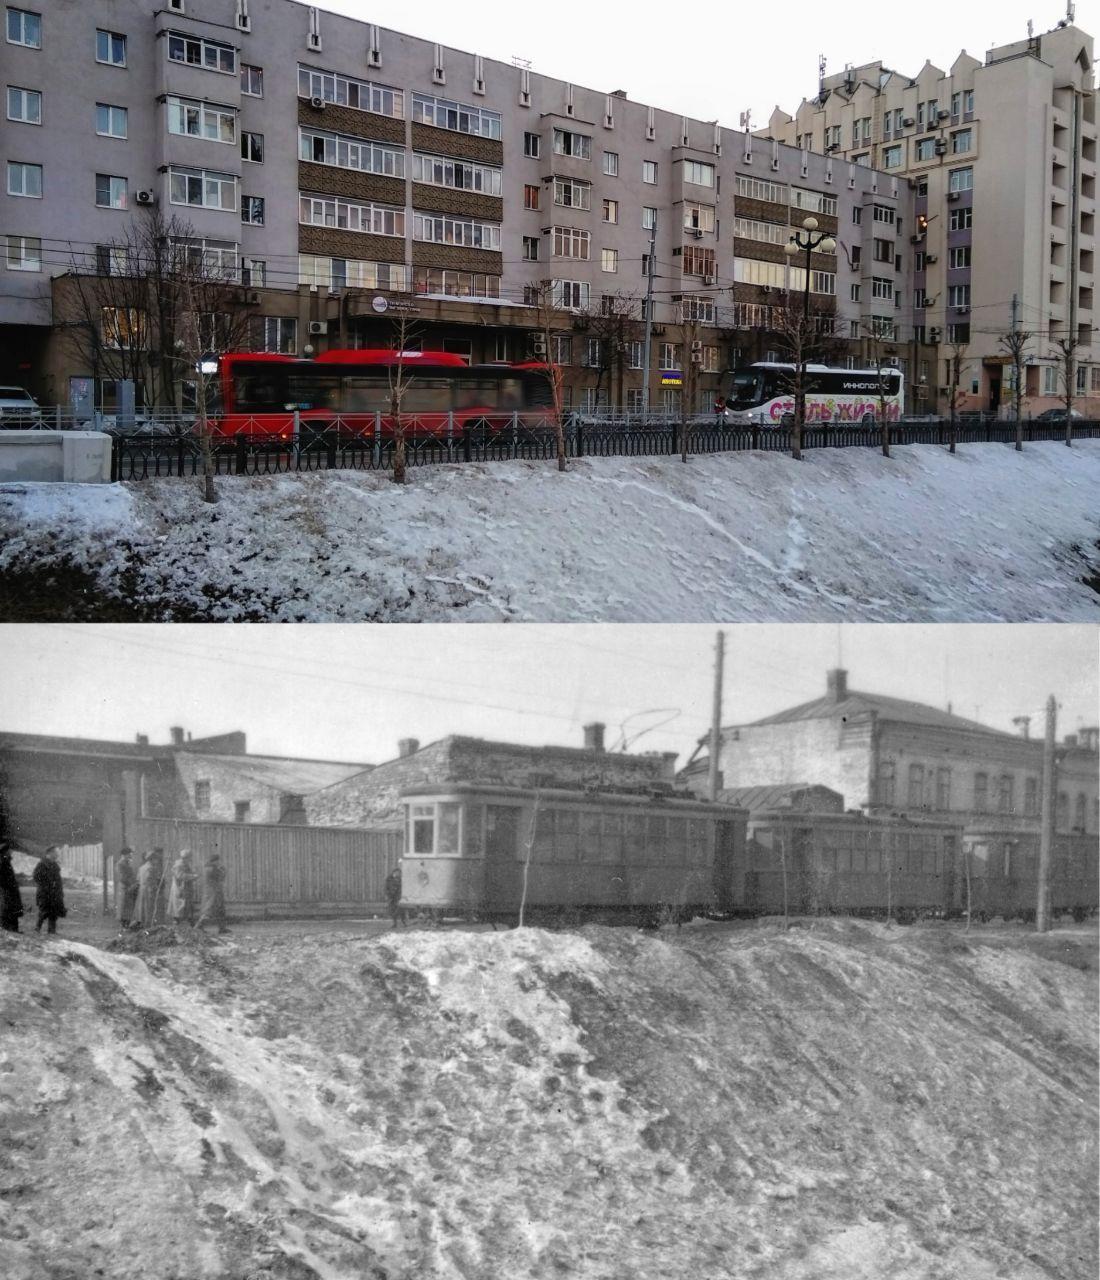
{"points": [[1001, 157], [332, 168]]}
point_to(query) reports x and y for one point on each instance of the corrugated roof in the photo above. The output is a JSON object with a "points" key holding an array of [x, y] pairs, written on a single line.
{"points": [[861, 704], [771, 797]]}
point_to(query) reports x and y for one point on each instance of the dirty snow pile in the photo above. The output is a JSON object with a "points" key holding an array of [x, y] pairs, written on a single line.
{"points": [[833, 1103], [987, 534]]}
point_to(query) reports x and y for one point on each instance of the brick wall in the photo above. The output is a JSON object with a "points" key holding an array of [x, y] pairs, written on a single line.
{"points": [[334, 243], [471, 203], [456, 258], [762, 210], [446, 142], [358, 124], [328, 180], [809, 751]]}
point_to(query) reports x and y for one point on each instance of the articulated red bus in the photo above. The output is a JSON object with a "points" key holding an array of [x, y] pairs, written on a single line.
{"points": [[349, 391]]}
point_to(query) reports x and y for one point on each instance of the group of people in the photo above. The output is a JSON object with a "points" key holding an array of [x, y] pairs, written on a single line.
{"points": [[156, 893], [49, 891]]}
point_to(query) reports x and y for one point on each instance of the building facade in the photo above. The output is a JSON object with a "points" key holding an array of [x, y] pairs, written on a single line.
{"points": [[1001, 157], [339, 171]]}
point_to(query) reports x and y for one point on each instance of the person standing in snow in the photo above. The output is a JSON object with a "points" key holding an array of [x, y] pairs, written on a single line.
{"points": [[160, 877], [146, 892], [181, 896], [393, 895], [213, 895], [50, 892], [11, 900], [126, 887]]}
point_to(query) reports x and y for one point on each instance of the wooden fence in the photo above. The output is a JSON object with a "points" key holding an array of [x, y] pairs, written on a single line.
{"points": [[281, 870], [82, 860]]}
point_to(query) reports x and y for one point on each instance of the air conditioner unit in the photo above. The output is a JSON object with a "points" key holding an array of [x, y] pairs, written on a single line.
{"points": [[708, 280], [952, 195], [765, 288], [930, 259], [943, 115], [892, 362], [933, 336], [252, 297], [697, 232], [941, 147], [538, 345], [697, 345], [658, 330], [916, 239], [317, 101], [144, 197], [318, 326], [909, 122]]}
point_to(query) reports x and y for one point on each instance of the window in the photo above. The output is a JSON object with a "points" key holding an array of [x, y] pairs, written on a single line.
{"points": [[698, 173], [563, 350], [697, 309], [24, 105], [344, 152], [611, 211], [241, 810], [711, 355], [24, 253], [883, 213], [110, 47], [611, 163], [252, 210], [456, 174], [959, 257], [891, 157], [968, 102], [276, 334], [958, 297], [345, 91], [1004, 793], [202, 188], [123, 328], [864, 159], [351, 215], [352, 273], [254, 272], [1079, 812], [958, 333], [572, 195], [110, 122], [920, 115], [567, 143], [961, 219], [532, 142], [813, 201], [853, 292], [252, 147], [882, 288], [197, 52], [884, 250], [635, 397], [960, 179], [943, 788], [981, 792], [194, 119], [591, 357], [916, 787], [956, 105], [202, 796], [670, 355], [439, 228], [25, 28], [214, 257], [649, 218], [454, 115], [758, 189], [925, 149], [887, 772], [649, 171], [857, 255], [698, 261], [252, 80], [571, 295], [530, 248], [700, 217], [530, 196], [609, 259], [571, 242], [110, 191], [961, 141]]}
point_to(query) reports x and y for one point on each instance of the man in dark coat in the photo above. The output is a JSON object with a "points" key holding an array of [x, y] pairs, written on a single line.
{"points": [[213, 895], [50, 893], [126, 887], [11, 900], [393, 894]]}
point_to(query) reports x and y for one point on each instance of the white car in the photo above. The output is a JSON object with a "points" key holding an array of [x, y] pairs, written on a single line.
{"points": [[18, 408]]}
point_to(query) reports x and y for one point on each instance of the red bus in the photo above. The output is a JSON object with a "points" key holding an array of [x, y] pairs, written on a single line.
{"points": [[349, 391]]}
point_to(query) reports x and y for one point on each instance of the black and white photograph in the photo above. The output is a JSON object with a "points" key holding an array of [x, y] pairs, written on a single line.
{"points": [[594, 951]]}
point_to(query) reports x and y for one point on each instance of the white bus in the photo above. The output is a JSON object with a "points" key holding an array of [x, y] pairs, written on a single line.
{"points": [[762, 394]]}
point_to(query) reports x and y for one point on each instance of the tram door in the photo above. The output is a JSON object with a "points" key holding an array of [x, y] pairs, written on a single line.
{"points": [[501, 843]]}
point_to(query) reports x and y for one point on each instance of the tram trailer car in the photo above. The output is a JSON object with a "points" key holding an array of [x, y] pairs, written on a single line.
{"points": [[470, 848], [1003, 870]]}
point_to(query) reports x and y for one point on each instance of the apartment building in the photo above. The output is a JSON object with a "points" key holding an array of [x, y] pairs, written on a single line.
{"points": [[1001, 157], [342, 173]]}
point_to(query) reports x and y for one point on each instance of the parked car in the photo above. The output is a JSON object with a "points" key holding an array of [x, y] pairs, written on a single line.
{"points": [[1058, 415], [18, 408]]}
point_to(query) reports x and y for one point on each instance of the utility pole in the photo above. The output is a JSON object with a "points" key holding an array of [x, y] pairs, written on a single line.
{"points": [[649, 312], [1046, 822], [714, 781]]}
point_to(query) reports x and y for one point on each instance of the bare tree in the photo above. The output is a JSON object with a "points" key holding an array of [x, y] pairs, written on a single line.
{"points": [[954, 372], [803, 334], [539, 294], [613, 325], [879, 337], [692, 361], [1066, 357], [1015, 343], [399, 376]]}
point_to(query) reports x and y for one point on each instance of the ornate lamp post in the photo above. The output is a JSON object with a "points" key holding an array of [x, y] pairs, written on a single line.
{"points": [[807, 240]]}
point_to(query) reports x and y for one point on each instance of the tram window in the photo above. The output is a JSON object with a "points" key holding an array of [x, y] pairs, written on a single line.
{"points": [[859, 860], [422, 828], [677, 839], [473, 830], [566, 835], [611, 838], [447, 829], [829, 850], [699, 830], [656, 841], [635, 834]]}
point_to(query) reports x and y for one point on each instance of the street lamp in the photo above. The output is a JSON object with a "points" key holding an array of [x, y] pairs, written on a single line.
{"points": [[806, 241]]}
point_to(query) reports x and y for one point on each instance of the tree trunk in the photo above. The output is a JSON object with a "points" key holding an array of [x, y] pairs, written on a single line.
{"points": [[206, 448], [398, 440]]}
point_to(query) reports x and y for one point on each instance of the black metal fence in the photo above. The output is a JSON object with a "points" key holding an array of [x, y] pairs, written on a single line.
{"points": [[137, 456]]}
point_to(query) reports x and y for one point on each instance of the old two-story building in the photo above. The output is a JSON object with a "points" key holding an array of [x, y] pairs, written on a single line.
{"points": [[371, 797], [888, 755]]}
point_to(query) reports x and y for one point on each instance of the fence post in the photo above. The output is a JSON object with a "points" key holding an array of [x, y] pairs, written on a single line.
{"points": [[450, 433], [674, 446], [578, 443], [116, 467], [377, 447], [57, 417], [466, 430], [179, 456], [330, 448], [240, 461]]}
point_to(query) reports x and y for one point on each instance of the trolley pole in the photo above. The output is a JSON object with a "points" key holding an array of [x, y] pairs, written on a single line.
{"points": [[714, 780], [1046, 822], [649, 314]]}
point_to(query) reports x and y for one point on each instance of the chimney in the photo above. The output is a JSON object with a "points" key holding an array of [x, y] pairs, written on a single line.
{"points": [[177, 735], [836, 685], [143, 739], [593, 736], [407, 747], [1023, 723]]}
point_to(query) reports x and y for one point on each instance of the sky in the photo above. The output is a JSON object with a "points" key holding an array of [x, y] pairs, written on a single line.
{"points": [[716, 61], [350, 692]]}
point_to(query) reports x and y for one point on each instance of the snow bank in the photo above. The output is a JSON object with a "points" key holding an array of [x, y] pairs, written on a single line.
{"points": [[985, 535], [831, 1102]]}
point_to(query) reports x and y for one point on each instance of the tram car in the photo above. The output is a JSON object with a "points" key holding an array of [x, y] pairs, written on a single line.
{"points": [[615, 855], [999, 874]]}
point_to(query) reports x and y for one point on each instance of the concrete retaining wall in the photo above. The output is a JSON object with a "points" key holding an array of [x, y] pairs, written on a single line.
{"points": [[80, 457]]}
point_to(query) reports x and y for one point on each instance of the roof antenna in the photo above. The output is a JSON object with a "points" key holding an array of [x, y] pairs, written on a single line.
{"points": [[1030, 29], [821, 77], [746, 120]]}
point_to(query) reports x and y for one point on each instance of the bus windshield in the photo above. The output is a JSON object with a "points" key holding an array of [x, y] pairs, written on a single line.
{"points": [[748, 388]]}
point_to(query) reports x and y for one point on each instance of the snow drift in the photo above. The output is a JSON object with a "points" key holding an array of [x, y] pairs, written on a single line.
{"points": [[839, 1101], [985, 535]]}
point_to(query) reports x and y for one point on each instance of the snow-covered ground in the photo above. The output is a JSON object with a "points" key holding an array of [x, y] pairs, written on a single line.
{"points": [[987, 534], [839, 1102]]}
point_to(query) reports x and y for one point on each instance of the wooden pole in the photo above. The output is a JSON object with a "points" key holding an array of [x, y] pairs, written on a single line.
{"points": [[1046, 821]]}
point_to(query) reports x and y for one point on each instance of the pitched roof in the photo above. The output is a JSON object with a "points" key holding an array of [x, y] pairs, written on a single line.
{"points": [[857, 704], [298, 777], [779, 796]]}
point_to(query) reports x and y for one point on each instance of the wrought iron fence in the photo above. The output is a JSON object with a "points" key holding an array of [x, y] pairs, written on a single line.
{"points": [[167, 444]]}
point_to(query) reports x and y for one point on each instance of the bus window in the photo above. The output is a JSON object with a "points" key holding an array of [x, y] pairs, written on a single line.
{"points": [[259, 391], [309, 390], [510, 394], [748, 389], [537, 392], [476, 393], [366, 395], [427, 395]]}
